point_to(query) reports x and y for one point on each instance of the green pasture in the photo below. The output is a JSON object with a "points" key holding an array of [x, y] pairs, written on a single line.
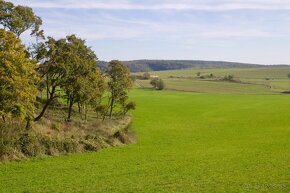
{"points": [[272, 80], [187, 142]]}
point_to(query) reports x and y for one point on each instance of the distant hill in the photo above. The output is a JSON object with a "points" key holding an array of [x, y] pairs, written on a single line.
{"points": [[159, 65]]}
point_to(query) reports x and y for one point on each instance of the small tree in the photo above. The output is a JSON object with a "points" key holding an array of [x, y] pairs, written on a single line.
{"points": [[129, 106], [288, 75], [160, 85], [157, 83], [153, 82], [198, 74], [118, 84], [146, 76]]}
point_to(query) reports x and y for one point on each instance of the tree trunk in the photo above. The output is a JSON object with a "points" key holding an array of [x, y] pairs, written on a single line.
{"points": [[111, 107], [47, 103], [69, 110], [43, 111], [4, 119], [79, 107], [86, 112], [28, 126]]}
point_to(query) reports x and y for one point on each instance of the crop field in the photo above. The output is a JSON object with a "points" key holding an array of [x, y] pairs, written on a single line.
{"points": [[272, 80], [187, 142]]}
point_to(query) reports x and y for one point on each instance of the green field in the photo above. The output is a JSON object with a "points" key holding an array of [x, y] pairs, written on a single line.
{"points": [[187, 142], [272, 80]]}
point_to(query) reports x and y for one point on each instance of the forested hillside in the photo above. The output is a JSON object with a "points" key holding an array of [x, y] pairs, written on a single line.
{"points": [[159, 65]]}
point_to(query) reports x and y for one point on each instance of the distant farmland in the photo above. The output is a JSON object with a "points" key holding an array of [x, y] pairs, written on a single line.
{"points": [[271, 80]]}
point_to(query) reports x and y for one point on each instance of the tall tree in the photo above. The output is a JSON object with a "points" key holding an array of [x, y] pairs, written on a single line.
{"points": [[91, 91], [17, 79], [52, 68], [83, 79], [19, 19], [118, 84]]}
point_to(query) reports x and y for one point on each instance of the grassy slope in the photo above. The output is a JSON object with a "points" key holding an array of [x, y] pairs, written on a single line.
{"points": [[186, 143], [278, 80]]}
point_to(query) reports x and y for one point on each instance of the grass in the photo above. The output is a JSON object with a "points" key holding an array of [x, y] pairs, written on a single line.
{"points": [[187, 142], [272, 80]]}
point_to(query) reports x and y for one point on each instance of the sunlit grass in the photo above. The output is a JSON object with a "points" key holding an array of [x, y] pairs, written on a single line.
{"points": [[186, 143]]}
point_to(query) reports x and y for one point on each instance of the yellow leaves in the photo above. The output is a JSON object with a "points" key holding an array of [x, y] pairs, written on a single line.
{"points": [[18, 77]]}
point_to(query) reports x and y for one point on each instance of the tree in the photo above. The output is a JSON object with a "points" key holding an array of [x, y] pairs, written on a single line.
{"points": [[52, 69], [146, 76], [118, 84], [129, 106], [19, 19], [69, 66], [288, 75], [17, 79], [157, 83], [83, 82]]}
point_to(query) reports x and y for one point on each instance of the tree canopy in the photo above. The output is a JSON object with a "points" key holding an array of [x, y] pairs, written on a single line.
{"points": [[118, 84], [19, 19], [17, 78]]}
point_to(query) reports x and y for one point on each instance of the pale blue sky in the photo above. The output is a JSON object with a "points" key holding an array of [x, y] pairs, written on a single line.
{"points": [[256, 31]]}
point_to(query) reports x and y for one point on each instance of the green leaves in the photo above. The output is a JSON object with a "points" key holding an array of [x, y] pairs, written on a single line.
{"points": [[118, 85], [18, 19], [70, 65]]}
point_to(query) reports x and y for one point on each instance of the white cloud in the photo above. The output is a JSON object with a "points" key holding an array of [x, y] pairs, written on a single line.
{"points": [[210, 5]]}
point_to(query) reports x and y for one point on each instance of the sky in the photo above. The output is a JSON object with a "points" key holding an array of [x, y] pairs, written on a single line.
{"points": [[252, 31]]}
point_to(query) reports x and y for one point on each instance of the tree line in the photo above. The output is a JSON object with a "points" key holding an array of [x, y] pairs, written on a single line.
{"points": [[63, 69]]}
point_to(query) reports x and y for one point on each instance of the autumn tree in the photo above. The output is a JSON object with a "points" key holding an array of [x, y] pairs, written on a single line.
{"points": [[19, 19], [119, 83], [17, 79]]}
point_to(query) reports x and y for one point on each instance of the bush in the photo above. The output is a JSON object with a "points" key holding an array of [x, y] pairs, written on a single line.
{"points": [[133, 78], [146, 76], [29, 145], [9, 131], [129, 106], [101, 110], [157, 83], [228, 78]]}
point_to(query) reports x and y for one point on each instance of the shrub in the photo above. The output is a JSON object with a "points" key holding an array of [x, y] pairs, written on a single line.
{"points": [[157, 83], [228, 78], [129, 106], [146, 76], [29, 145], [133, 78], [101, 110]]}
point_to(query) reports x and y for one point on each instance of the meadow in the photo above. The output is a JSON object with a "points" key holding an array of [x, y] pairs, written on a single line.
{"points": [[187, 142], [270, 80]]}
